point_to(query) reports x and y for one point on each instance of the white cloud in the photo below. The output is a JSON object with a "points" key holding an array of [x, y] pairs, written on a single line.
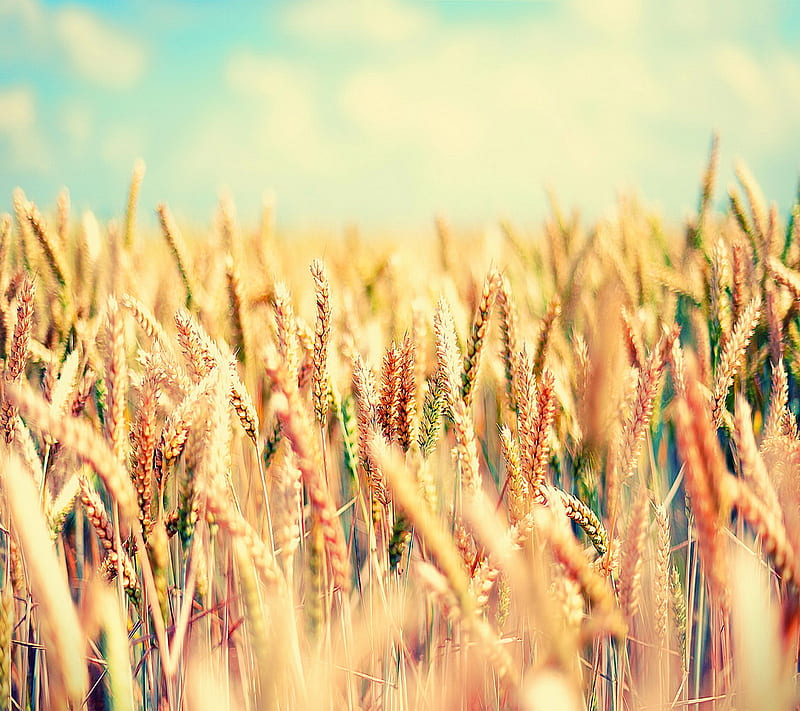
{"points": [[740, 71], [72, 36], [387, 108], [17, 110], [370, 21], [614, 17], [29, 12], [476, 118], [98, 51], [122, 144], [271, 78], [77, 125], [492, 114], [19, 129], [282, 100]]}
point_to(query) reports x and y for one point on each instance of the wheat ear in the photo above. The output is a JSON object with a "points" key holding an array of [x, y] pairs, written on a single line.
{"points": [[176, 245], [519, 504], [321, 338], [709, 178], [732, 357], [18, 357], [143, 444], [661, 577], [406, 401], [388, 404], [587, 519], [146, 320], [52, 254], [509, 338], [704, 475], [367, 406], [478, 335], [546, 335], [635, 426], [133, 196], [447, 355], [286, 327], [756, 200]]}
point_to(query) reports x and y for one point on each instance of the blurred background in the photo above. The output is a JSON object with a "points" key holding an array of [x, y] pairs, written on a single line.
{"points": [[386, 112]]}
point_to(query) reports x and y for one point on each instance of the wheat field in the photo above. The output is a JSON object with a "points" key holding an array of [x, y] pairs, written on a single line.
{"points": [[521, 469]]}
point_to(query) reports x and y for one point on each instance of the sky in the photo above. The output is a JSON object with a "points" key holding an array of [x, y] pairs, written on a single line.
{"points": [[388, 112]]}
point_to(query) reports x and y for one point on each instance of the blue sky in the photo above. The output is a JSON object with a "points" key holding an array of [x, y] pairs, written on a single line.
{"points": [[385, 112]]}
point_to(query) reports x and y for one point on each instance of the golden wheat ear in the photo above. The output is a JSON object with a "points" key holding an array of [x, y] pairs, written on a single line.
{"points": [[447, 354], [705, 474], [367, 418], [732, 358], [322, 332], [477, 338], [137, 176], [286, 329], [18, 353], [509, 339], [636, 424], [51, 253], [177, 247], [143, 438]]}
